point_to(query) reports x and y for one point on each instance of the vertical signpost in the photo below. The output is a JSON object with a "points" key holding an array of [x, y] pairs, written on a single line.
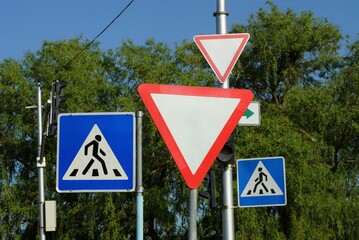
{"points": [[222, 52], [139, 188], [40, 167], [227, 192]]}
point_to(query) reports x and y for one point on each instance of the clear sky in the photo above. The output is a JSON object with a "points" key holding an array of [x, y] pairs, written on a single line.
{"points": [[25, 24]]}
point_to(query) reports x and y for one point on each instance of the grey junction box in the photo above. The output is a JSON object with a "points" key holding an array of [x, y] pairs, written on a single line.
{"points": [[50, 216]]}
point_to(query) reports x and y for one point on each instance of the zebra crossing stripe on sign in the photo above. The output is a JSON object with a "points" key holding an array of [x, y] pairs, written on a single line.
{"points": [[95, 160], [261, 183]]}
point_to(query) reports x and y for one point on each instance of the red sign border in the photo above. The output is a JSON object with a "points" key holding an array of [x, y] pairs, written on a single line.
{"points": [[194, 180], [199, 38]]}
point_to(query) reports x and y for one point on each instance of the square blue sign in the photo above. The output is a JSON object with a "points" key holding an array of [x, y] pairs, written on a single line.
{"points": [[96, 152], [261, 182]]}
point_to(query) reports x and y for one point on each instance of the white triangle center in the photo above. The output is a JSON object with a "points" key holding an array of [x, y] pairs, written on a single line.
{"points": [[192, 124], [95, 160], [222, 51], [261, 183]]}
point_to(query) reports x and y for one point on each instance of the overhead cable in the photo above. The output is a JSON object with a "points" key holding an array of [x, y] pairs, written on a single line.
{"points": [[93, 40]]}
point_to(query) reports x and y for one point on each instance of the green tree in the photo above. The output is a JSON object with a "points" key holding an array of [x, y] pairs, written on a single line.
{"points": [[329, 115], [96, 82], [309, 99], [285, 50], [16, 139], [88, 91], [293, 62]]}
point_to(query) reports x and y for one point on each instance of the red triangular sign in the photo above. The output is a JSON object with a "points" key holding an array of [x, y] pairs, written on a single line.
{"points": [[194, 122], [222, 51]]}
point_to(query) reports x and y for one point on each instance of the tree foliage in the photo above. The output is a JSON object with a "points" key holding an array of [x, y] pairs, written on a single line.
{"points": [[310, 115], [285, 50]]}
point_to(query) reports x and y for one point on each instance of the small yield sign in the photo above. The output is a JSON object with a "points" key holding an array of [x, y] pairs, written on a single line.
{"points": [[222, 51]]}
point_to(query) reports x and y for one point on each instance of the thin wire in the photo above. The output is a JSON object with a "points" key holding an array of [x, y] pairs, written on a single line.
{"points": [[93, 40]]}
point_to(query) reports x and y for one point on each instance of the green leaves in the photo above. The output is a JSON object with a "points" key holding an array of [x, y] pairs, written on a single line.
{"points": [[285, 50], [309, 106]]}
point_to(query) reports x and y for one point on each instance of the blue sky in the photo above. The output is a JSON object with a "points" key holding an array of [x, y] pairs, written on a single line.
{"points": [[26, 24]]}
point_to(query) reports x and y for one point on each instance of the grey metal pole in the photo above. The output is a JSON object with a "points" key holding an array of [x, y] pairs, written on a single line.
{"points": [[227, 198], [227, 172], [40, 167], [139, 188], [192, 220], [221, 26]]}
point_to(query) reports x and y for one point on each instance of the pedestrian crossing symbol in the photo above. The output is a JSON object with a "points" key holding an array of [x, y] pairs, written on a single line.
{"points": [[96, 152], [261, 182], [95, 160]]}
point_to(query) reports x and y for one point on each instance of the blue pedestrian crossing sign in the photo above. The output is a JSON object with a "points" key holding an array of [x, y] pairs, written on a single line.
{"points": [[261, 182], [96, 152]]}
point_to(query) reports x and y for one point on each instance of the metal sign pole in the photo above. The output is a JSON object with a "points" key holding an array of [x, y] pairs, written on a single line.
{"points": [[227, 172], [139, 188], [192, 220], [40, 166]]}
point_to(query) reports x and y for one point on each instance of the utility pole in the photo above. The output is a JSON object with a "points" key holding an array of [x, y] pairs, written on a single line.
{"points": [[40, 166], [226, 169]]}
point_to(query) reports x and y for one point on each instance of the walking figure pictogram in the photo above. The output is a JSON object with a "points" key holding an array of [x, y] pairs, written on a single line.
{"points": [[95, 160], [95, 153], [259, 180]]}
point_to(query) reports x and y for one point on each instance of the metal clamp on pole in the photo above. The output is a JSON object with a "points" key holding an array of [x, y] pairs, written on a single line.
{"points": [[232, 165], [229, 207], [42, 163], [219, 13]]}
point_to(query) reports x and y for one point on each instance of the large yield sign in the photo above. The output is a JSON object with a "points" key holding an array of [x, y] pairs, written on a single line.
{"points": [[194, 122]]}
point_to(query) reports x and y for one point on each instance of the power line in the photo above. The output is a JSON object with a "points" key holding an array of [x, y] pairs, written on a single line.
{"points": [[93, 40]]}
